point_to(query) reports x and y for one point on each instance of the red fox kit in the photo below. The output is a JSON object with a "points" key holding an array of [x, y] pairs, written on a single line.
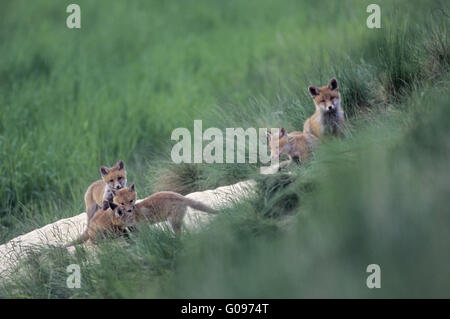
{"points": [[158, 207], [114, 178], [296, 144], [103, 220], [328, 118]]}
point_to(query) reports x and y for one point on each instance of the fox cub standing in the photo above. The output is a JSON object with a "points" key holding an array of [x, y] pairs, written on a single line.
{"points": [[156, 208], [113, 178], [328, 118], [103, 220], [297, 145]]}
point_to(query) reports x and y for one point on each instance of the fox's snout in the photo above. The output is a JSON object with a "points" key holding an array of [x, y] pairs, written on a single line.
{"points": [[330, 107], [131, 209], [120, 184]]}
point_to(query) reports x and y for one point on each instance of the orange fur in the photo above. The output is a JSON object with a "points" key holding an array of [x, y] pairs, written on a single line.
{"points": [[112, 178], [297, 145], [107, 221], [168, 206], [328, 119], [158, 207], [104, 220]]}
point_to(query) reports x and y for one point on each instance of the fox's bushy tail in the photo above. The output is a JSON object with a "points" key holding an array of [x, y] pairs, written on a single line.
{"points": [[199, 206]]}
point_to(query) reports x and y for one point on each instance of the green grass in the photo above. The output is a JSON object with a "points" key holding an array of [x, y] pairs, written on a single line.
{"points": [[72, 100]]}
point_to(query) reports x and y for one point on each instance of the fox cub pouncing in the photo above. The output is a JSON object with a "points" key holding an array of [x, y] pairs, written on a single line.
{"points": [[158, 207], [113, 178], [328, 119]]}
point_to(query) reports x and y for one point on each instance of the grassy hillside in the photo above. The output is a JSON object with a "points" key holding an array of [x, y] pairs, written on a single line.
{"points": [[74, 99], [71, 100]]}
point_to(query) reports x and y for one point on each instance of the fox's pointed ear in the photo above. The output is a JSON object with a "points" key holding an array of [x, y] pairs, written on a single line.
{"points": [[104, 170], [112, 206], [105, 205], [313, 90], [120, 165], [333, 85], [282, 131], [132, 188]]}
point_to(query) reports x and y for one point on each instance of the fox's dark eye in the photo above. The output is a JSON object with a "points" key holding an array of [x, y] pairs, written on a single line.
{"points": [[122, 203], [131, 201], [120, 177], [111, 180]]}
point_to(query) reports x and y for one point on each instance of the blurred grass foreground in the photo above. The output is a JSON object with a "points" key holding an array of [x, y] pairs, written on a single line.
{"points": [[74, 99]]}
